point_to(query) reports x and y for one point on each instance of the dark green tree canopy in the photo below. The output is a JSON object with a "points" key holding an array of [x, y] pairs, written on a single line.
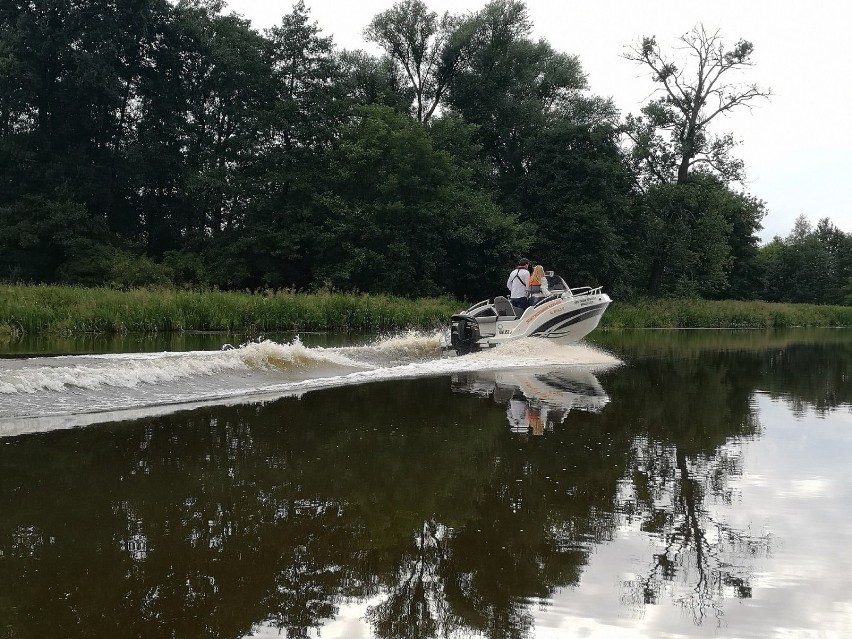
{"points": [[810, 264], [402, 217], [155, 142], [430, 50], [514, 85]]}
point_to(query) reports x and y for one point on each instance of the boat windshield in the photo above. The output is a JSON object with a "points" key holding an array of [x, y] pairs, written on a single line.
{"points": [[556, 283]]}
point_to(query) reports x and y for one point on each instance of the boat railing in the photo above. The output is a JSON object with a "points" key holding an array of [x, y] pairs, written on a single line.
{"points": [[477, 305], [585, 290]]}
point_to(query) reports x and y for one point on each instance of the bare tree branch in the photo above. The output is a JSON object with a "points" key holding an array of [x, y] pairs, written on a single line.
{"points": [[683, 111]]}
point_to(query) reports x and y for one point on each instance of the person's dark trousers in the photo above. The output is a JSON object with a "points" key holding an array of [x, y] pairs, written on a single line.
{"points": [[521, 302]]}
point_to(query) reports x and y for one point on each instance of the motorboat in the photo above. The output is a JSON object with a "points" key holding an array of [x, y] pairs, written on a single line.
{"points": [[566, 314]]}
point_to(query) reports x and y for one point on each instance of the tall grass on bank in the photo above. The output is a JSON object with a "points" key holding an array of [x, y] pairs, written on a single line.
{"points": [[69, 310], [62, 309], [692, 313]]}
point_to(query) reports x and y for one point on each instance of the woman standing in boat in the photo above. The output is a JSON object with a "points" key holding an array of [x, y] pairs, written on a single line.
{"points": [[537, 285]]}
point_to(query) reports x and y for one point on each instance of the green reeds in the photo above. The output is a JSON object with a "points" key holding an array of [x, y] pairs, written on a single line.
{"points": [[62, 309], [71, 310], [695, 313]]}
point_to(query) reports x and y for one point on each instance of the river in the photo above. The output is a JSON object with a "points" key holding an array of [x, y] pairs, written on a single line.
{"points": [[640, 484]]}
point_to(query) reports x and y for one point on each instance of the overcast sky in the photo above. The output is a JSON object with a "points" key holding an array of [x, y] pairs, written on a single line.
{"points": [[797, 146]]}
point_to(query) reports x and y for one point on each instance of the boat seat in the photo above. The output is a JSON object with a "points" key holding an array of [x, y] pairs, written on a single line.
{"points": [[504, 307]]}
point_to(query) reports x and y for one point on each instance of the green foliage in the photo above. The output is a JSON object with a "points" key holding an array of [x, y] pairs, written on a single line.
{"points": [[577, 191], [460, 140], [700, 240], [810, 265], [131, 271], [429, 51], [512, 87], [401, 217], [743, 215], [44, 238], [685, 240], [63, 309], [186, 268], [151, 143], [370, 80], [695, 313]]}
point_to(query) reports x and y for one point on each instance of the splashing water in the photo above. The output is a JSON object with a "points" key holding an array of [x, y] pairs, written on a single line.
{"points": [[50, 387]]}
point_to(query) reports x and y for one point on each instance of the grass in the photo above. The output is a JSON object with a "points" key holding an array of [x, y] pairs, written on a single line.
{"points": [[68, 310], [72, 310], [692, 313]]}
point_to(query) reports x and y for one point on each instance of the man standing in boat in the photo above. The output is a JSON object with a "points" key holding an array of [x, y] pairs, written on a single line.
{"points": [[517, 284]]}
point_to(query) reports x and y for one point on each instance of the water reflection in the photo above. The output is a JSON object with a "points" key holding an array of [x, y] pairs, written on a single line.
{"points": [[699, 559], [810, 369], [536, 401], [206, 523], [413, 503]]}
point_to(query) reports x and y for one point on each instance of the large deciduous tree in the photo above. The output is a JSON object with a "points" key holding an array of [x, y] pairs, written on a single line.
{"points": [[401, 216], [692, 246], [295, 125], [431, 50], [699, 239], [308, 112], [230, 89], [577, 192], [513, 87], [71, 85], [551, 146], [672, 137]]}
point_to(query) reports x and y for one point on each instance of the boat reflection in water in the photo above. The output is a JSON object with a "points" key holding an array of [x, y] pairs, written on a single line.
{"points": [[536, 400]]}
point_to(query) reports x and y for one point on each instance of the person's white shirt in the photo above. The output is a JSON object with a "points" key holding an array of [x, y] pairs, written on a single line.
{"points": [[518, 414], [517, 282]]}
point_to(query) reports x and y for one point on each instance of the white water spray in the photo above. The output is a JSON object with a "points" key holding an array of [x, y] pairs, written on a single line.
{"points": [[77, 386]]}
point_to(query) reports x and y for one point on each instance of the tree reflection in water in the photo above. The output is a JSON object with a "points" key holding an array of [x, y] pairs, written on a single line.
{"points": [[675, 464], [705, 559], [419, 500], [694, 414], [416, 605]]}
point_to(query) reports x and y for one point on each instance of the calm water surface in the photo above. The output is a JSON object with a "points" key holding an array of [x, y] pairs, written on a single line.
{"points": [[661, 483]]}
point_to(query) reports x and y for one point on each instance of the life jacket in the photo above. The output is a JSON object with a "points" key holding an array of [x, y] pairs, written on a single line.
{"points": [[534, 287]]}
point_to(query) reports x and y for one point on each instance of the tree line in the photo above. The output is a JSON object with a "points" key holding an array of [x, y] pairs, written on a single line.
{"points": [[151, 143]]}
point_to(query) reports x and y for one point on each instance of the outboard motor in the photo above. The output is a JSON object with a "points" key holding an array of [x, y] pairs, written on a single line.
{"points": [[464, 333]]}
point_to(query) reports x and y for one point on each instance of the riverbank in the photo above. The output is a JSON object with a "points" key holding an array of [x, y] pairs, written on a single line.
{"points": [[693, 313], [72, 310]]}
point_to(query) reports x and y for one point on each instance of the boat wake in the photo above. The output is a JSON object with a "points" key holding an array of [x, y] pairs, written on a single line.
{"points": [[47, 393]]}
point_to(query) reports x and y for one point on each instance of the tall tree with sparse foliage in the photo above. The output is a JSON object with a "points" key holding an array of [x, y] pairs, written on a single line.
{"points": [[672, 145], [672, 136]]}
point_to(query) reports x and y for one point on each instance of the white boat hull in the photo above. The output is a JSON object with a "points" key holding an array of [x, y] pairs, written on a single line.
{"points": [[566, 317]]}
